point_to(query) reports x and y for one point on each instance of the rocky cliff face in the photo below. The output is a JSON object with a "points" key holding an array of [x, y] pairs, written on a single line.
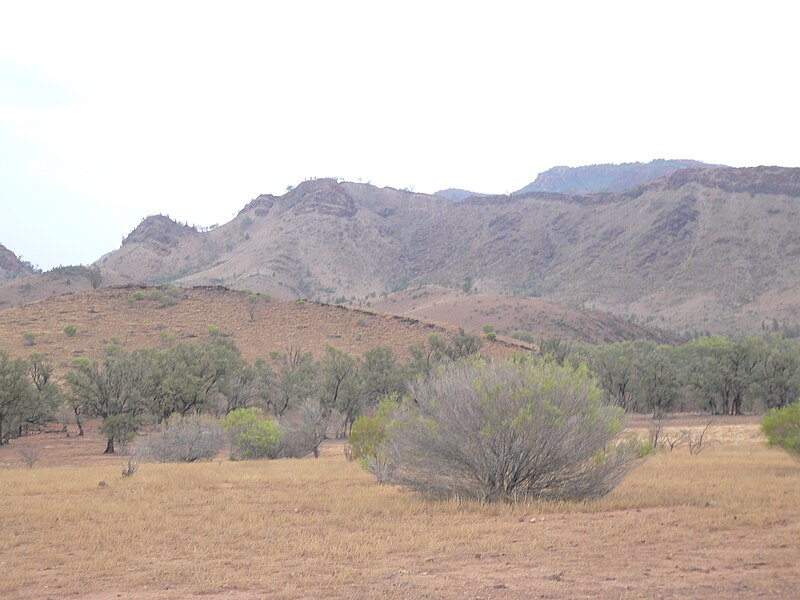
{"points": [[11, 267]]}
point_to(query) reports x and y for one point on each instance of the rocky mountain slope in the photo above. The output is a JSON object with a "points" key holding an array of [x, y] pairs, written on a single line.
{"points": [[11, 267], [534, 316], [606, 178], [702, 249]]}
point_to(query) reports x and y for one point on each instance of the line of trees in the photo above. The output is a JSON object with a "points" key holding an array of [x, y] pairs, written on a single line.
{"points": [[714, 374], [128, 390]]}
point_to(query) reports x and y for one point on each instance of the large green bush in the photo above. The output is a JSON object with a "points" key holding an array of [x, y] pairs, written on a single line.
{"points": [[251, 435], [506, 430], [782, 428]]}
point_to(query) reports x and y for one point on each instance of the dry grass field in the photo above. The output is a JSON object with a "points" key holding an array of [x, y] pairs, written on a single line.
{"points": [[721, 524]]}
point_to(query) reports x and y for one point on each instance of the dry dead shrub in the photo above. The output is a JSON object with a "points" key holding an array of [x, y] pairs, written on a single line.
{"points": [[304, 430], [183, 439], [29, 455]]}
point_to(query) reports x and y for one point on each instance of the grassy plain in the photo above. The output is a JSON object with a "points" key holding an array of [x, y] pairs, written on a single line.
{"points": [[722, 524]]}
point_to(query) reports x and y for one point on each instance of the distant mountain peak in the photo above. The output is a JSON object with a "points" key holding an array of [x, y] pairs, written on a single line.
{"points": [[322, 196], [457, 195], [592, 179], [159, 231]]}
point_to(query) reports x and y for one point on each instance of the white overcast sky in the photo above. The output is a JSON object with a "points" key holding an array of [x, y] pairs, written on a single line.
{"points": [[111, 111]]}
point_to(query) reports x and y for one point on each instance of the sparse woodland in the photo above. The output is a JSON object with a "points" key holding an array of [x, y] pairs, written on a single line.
{"points": [[445, 421]]}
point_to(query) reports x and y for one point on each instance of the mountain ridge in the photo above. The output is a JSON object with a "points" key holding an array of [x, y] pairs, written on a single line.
{"points": [[700, 249], [607, 177]]}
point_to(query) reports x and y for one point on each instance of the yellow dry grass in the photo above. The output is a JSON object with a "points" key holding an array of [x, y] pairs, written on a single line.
{"points": [[679, 526]]}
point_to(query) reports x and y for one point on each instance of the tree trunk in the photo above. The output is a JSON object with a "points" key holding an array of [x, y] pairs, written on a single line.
{"points": [[110, 446], [78, 421]]}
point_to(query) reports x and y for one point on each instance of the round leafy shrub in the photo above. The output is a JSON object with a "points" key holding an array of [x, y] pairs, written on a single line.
{"points": [[507, 430], [251, 435], [782, 428], [70, 330]]}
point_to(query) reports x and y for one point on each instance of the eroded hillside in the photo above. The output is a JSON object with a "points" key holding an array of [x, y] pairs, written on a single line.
{"points": [[701, 250]]}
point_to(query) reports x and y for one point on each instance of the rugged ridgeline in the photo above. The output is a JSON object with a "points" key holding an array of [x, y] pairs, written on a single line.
{"points": [[593, 179], [11, 267], [705, 249], [607, 178], [457, 195]]}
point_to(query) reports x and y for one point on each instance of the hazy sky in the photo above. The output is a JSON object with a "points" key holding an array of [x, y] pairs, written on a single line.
{"points": [[111, 111]]}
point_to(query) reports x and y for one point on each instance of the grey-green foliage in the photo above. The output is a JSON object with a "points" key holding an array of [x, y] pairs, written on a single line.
{"points": [[427, 355], [555, 349], [293, 382], [126, 389], [45, 394], [94, 276], [381, 374], [349, 384], [462, 345], [183, 439], [613, 366], [304, 429], [185, 378], [656, 379], [715, 373], [437, 350], [338, 371], [115, 391], [722, 373], [28, 396], [523, 335], [240, 383], [507, 429], [778, 372]]}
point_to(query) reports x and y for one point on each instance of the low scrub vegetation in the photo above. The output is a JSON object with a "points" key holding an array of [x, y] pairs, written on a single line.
{"points": [[782, 428], [252, 435], [183, 439], [502, 430], [303, 401]]}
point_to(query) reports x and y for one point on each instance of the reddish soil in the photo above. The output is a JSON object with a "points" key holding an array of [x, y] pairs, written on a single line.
{"points": [[155, 319]]}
